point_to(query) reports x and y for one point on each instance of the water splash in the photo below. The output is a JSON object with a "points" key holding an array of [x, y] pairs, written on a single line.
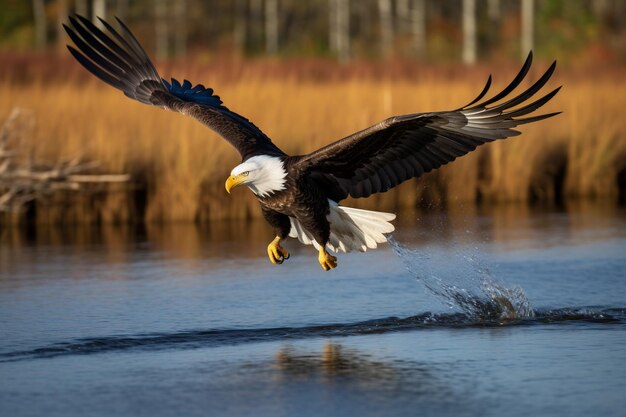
{"points": [[459, 278]]}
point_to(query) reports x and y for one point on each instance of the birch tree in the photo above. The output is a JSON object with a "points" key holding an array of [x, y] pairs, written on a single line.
{"points": [[528, 26], [339, 28], [99, 10], [386, 26], [418, 26], [469, 32], [343, 29]]}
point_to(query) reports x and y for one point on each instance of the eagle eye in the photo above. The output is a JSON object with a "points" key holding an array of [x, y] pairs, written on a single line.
{"points": [[245, 173]]}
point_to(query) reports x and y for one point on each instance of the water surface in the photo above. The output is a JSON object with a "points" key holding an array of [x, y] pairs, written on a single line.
{"points": [[491, 312]]}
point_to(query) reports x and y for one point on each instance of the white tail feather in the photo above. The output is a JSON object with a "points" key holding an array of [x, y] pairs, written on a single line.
{"points": [[350, 229]]}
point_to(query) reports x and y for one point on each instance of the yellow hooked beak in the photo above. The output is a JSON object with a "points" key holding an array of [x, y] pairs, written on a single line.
{"points": [[233, 181]]}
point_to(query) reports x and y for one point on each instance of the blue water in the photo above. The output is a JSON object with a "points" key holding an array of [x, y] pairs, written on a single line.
{"points": [[496, 312]]}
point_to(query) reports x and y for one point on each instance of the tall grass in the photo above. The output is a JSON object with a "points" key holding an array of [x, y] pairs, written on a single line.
{"points": [[179, 166]]}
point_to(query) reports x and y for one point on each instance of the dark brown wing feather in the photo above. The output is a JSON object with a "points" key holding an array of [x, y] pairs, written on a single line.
{"points": [[402, 147], [118, 59]]}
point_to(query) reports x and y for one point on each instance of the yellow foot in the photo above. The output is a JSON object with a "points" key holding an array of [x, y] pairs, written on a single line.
{"points": [[327, 261], [277, 253]]}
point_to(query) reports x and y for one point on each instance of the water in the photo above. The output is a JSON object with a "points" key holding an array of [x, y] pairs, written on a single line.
{"points": [[501, 312]]}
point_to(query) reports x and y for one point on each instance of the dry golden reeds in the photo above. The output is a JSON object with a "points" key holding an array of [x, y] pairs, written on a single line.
{"points": [[179, 166]]}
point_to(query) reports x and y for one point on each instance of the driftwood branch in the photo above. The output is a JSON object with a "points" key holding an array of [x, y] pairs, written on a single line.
{"points": [[23, 181]]}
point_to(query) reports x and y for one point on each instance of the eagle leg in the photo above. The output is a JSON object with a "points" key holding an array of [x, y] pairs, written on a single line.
{"points": [[277, 253], [327, 261]]}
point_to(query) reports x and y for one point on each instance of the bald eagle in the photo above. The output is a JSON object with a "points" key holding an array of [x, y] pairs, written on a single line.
{"points": [[299, 194]]}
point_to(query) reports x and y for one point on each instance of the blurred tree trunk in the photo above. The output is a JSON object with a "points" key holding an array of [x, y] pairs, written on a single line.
{"points": [[493, 29], [403, 15], [619, 14], [469, 32], [61, 18], [332, 25], [41, 26], [121, 9], [256, 16], [162, 38], [339, 28], [271, 26], [99, 9], [386, 27], [601, 8], [418, 26], [241, 24], [528, 26], [366, 21], [493, 10], [343, 29], [81, 7], [180, 39]]}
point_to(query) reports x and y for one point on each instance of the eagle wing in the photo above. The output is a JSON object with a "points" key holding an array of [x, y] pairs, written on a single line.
{"points": [[118, 59], [382, 156]]}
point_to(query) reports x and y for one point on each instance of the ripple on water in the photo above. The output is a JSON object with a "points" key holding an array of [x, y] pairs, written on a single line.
{"points": [[491, 316]]}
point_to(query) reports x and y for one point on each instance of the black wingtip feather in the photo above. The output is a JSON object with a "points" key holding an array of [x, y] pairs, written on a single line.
{"points": [[531, 91], [529, 108], [95, 70], [99, 54], [513, 84], [114, 50], [536, 118], [122, 64], [480, 96], [138, 48]]}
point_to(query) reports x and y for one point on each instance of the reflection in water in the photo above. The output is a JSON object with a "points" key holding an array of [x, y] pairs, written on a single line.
{"points": [[335, 380], [459, 223], [333, 362], [512, 226], [179, 240], [119, 245], [336, 364]]}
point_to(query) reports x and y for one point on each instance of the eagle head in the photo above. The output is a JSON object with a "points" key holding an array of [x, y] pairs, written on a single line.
{"points": [[263, 174]]}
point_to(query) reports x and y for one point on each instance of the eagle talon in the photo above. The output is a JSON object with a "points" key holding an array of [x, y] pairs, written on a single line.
{"points": [[326, 260], [277, 253]]}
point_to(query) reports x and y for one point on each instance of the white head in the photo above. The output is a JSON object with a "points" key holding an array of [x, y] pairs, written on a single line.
{"points": [[263, 174]]}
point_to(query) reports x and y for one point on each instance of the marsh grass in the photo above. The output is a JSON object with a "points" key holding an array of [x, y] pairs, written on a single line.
{"points": [[179, 166]]}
